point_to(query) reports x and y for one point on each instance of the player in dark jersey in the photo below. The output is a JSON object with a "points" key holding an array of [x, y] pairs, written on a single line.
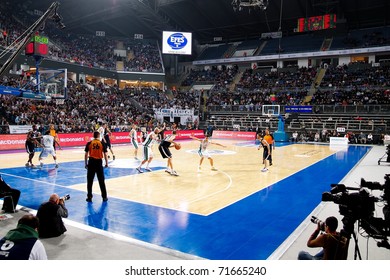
{"points": [[271, 142], [266, 152], [32, 142], [163, 147], [107, 139]]}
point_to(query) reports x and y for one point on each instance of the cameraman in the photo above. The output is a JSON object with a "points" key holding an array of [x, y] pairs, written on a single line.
{"points": [[50, 216], [334, 246]]}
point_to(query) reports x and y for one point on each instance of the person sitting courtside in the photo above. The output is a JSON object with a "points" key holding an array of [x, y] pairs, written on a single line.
{"points": [[50, 216], [22, 243], [334, 246], [5, 189]]}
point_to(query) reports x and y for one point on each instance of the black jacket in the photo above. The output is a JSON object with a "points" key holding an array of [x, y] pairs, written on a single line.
{"points": [[50, 219]]}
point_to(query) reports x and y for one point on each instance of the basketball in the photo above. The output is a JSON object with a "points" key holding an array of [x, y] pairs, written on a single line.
{"points": [[177, 146]]}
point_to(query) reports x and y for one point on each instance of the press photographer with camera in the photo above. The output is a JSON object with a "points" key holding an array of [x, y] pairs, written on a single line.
{"points": [[50, 216], [334, 246]]}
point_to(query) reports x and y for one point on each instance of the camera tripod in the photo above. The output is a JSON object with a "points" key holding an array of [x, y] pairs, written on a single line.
{"points": [[357, 250], [348, 231]]}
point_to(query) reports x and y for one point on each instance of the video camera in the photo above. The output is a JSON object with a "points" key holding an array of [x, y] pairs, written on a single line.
{"points": [[360, 206]]}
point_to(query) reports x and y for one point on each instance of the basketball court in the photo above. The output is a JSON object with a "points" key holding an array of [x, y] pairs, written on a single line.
{"points": [[237, 212]]}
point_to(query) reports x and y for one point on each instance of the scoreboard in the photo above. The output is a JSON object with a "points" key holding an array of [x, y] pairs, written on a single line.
{"points": [[38, 46], [327, 21]]}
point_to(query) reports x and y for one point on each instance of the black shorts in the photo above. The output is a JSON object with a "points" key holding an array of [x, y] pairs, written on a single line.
{"points": [[164, 151], [265, 154], [30, 147], [107, 142]]}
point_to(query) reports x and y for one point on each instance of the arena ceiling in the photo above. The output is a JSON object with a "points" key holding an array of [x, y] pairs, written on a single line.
{"points": [[206, 18]]}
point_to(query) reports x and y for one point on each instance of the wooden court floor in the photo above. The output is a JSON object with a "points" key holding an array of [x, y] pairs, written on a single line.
{"points": [[191, 202], [204, 192]]}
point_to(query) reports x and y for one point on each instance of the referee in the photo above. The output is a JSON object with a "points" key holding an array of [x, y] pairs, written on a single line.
{"points": [[94, 153]]}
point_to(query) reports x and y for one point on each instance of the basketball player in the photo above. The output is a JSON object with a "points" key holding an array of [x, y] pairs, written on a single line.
{"points": [[270, 140], [48, 148], [31, 143], [107, 140], [53, 133], [148, 152], [164, 146], [133, 140], [202, 152], [100, 129], [266, 152]]}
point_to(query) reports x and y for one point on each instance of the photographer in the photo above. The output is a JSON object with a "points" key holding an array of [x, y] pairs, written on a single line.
{"points": [[50, 216], [333, 244]]}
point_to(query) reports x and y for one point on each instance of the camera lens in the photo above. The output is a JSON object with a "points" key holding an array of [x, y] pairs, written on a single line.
{"points": [[314, 220]]}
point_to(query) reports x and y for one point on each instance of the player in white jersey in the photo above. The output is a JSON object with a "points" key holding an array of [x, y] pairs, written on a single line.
{"points": [[148, 152], [203, 152], [101, 131], [133, 139], [48, 148]]}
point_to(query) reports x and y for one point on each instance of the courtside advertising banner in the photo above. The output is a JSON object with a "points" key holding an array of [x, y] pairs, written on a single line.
{"points": [[186, 134], [12, 141], [239, 135], [17, 141]]}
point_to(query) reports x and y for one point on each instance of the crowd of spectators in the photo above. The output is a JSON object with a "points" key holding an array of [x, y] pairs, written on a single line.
{"points": [[86, 105], [83, 109], [98, 52], [220, 77], [85, 50], [373, 38], [295, 79], [343, 85], [357, 86]]}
